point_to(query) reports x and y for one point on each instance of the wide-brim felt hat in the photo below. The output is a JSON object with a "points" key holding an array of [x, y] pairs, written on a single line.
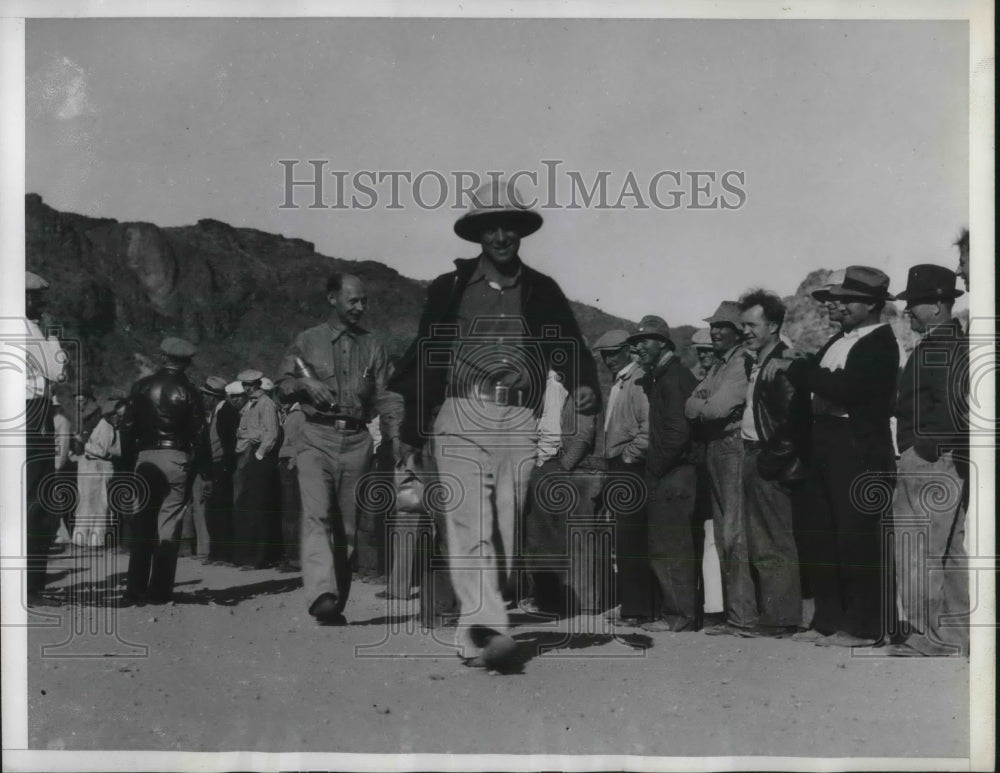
{"points": [[931, 283], [651, 326], [823, 293], [497, 203], [862, 282], [728, 313]]}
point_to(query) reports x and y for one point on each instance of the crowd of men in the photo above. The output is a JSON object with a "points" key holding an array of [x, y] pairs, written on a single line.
{"points": [[821, 527]]}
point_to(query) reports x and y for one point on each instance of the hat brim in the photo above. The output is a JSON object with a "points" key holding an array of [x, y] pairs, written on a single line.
{"points": [[848, 292], [472, 225], [944, 295], [636, 337], [723, 321], [213, 392]]}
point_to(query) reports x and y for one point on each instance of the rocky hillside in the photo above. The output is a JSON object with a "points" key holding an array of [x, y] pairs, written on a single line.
{"points": [[242, 294]]}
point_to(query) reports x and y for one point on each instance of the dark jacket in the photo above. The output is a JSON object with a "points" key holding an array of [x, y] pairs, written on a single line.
{"points": [[866, 388], [668, 387], [554, 340], [165, 410], [932, 408], [780, 416]]}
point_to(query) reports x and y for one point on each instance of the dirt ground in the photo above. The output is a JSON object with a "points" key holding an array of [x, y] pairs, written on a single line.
{"points": [[236, 663]]}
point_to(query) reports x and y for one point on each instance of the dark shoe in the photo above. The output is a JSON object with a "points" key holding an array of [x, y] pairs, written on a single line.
{"points": [[722, 629], [844, 639], [159, 601], [769, 631], [671, 624], [810, 635], [332, 620], [326, 609], [132, 600], [499, 651]]}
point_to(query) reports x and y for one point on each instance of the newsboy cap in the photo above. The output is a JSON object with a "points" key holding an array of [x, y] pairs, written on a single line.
{"points": [[34, 282], [930, 283], [728, 313], [651, 326], [178, 347], [214, 385], [497, 203], [613, 339], [250, 376]]}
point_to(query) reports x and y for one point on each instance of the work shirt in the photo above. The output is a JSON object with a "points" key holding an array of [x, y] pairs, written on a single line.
{"points": [[44, 360], [491, 328], [258, 421], [339, 356], [104, 442], [718, 400], [835, 358], [748, 429], [626, 418]]}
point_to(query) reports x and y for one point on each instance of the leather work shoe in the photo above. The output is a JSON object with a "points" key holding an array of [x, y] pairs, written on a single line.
{"points": [[810, 635], [671, 624], [768, 631], [722, 629], [326, 609], [844, 639], [499, 652]]}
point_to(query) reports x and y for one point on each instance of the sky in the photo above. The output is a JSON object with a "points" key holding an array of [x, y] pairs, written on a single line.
{"points": [[847, 139]]}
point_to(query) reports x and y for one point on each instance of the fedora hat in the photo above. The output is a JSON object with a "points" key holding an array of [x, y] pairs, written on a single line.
{"points": [[823, 293], [930, 283], [728, 313], [651, 326], [862, 282], [497, 203], [215, 386]]}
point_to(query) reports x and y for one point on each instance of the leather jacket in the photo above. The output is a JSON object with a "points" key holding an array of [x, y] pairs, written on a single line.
{"points": [[166, 411], [780, 416]]}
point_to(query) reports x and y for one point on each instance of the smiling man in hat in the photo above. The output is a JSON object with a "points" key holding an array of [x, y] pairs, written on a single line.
{"points": [[932, 429], [715, 411], [166, 416], [660, 539], [853, 383], [473, 382]]}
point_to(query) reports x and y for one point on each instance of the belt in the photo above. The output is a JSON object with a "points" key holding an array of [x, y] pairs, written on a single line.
{"points": [[343, 423], [175, 445], [497, 394]]}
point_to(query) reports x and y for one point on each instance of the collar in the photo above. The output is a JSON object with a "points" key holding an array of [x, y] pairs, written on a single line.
{"points": [[484, 271], [863, 330], [727, 356], [626, 373], [337, 329], [758, 358], [664, 360]]}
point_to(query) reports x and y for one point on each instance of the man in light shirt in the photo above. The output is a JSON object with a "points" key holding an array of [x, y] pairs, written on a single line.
{"points": [[44, 363]]}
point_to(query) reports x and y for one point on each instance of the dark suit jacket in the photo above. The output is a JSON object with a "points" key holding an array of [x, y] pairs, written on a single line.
{"points": [[668, 387], [866, 388], [554, 340]]}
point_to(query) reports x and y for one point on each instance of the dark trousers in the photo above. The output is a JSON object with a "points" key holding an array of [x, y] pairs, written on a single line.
{"points": [[770, 545], [156, 527], [844, 542], [671, 535], [219, 512], [40, 492], [625, 497], [255, 513], [291, 510]]}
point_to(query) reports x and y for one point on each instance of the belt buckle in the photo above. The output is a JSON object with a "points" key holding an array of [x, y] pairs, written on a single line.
{"points": [[501, 395]]}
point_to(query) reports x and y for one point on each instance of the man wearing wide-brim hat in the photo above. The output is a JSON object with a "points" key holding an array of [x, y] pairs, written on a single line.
{"points": [[659, 538], [853, 383], [167, 417], [932, 432], [478, 394]]}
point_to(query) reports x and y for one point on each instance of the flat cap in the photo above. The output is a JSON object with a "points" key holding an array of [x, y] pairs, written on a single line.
{"points": [[728, 313], [702, 339], [250, 375], [613, 339], [651, 326], [235, 388], [214, 385], [178, 347], [34, 282], [266, 384]]}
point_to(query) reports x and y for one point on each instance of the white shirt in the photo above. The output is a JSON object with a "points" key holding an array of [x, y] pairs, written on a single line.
{"points": [[616, 390], [550, 424]]}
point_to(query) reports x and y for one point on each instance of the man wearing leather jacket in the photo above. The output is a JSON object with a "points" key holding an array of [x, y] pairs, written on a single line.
{"points": [[771, 468], [167, 417]]}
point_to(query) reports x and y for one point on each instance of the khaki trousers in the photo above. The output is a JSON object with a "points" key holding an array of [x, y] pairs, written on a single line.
{"points": [[484, 455]]}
